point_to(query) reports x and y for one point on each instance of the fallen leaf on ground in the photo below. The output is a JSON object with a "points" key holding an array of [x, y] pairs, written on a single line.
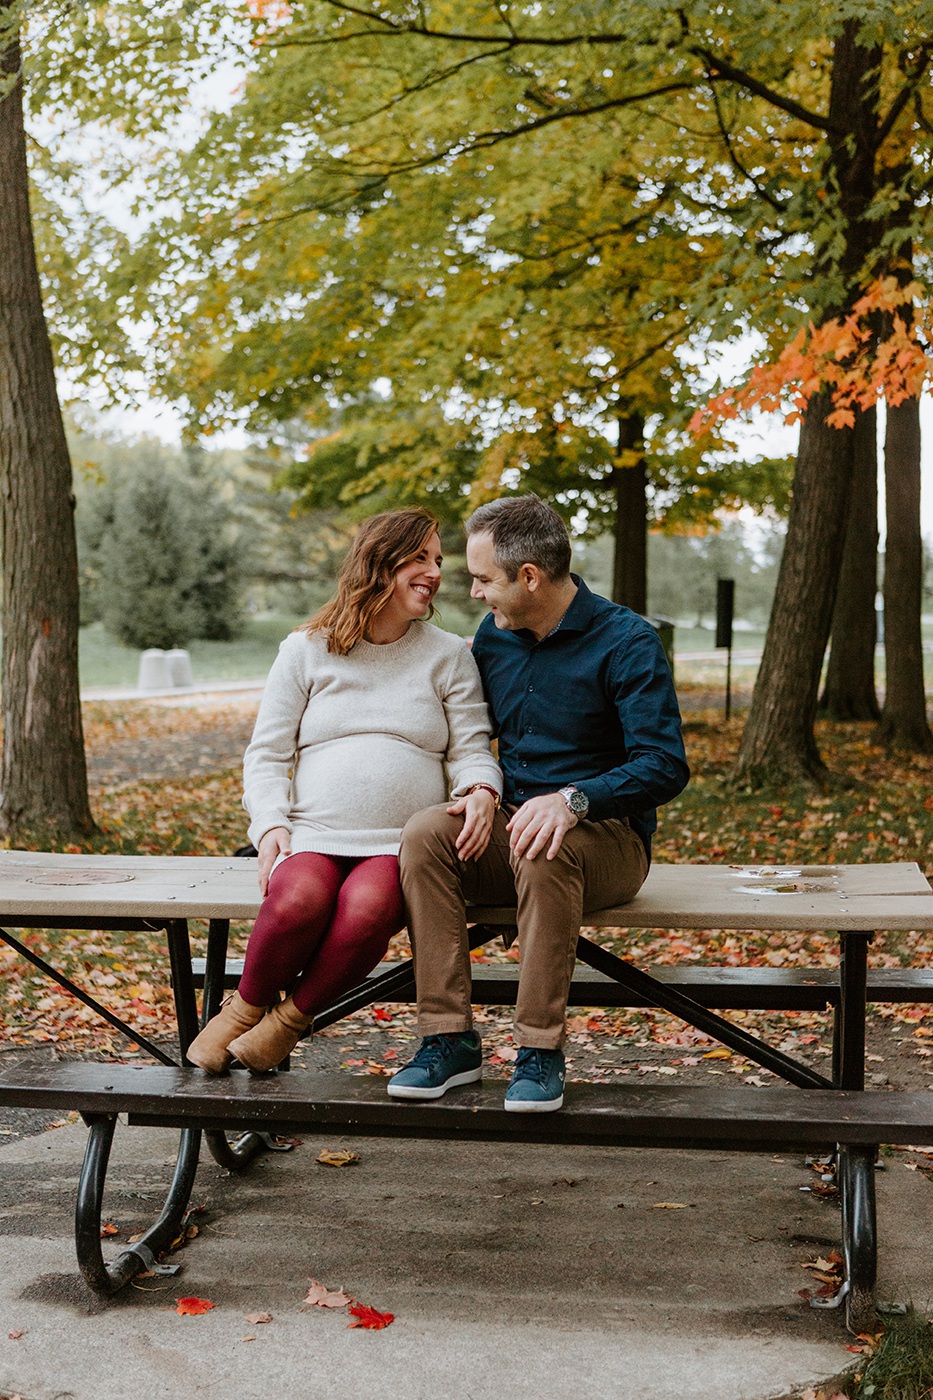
{"points": [[256, 1318], [669, 1205], [17, 1333], [192, 1307], [719, 1054], [321, 1297], [337, 1159], [369, 1318], [108, 1229]]}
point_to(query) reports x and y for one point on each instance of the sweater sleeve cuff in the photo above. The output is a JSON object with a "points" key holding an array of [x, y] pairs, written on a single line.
{"points": [[260, 825], [488, 773]]}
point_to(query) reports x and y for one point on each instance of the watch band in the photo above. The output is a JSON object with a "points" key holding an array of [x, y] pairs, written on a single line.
{"points": [[577, 802]]}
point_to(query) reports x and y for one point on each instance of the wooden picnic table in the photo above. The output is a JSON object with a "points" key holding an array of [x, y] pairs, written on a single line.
{"points": [[43, 890]]}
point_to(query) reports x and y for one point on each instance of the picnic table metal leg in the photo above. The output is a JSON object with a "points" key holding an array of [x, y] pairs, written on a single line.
{"points": [[856, 1164], [859, 1242], [109, 1277], [232, 1156], [853, 1005]]}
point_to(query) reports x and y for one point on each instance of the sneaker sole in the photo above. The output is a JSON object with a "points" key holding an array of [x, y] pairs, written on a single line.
{"points": [[411, 1091], [533, 1105]]}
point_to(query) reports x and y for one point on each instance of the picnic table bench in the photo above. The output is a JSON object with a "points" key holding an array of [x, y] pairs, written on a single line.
{"points": [[820, 1113]]}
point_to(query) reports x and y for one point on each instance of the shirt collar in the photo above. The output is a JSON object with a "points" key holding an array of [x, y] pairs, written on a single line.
{"points": [[579, 615], [577, 618]]}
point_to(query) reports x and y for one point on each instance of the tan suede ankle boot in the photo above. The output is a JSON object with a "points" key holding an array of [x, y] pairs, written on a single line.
{"points": [[209, 1049], [265, 1046]]}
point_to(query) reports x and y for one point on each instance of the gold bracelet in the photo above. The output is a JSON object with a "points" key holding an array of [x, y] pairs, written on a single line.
{"points": [[485, 787]]}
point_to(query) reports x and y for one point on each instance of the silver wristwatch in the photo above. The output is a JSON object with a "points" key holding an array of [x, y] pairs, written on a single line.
{"points": [[577, 801]]}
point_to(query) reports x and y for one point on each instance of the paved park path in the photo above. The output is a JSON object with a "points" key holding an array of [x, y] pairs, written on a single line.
{"points": [[514, 1273]]}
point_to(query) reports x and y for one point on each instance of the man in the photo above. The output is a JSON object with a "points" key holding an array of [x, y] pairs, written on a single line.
{"points": [[583, 704]]}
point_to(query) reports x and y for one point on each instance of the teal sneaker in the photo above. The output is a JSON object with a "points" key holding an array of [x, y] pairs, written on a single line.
{"points": [[441, 1062], [537, 1083]]}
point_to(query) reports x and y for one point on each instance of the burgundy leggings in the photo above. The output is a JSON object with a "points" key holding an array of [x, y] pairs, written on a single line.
{"points": [[324, 924]]}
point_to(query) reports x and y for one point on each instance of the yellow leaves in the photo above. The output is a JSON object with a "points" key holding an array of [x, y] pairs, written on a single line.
{"points": [[343, 1158]]}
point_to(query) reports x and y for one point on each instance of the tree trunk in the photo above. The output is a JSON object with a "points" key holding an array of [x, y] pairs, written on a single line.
{"points": [[778, 744], [904, 718], [849, 690], [43, 777], [630, 561]]}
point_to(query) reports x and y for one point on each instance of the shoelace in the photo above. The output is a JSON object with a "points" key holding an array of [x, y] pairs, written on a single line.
{"points": [[432, 1049], [531, 1064]]}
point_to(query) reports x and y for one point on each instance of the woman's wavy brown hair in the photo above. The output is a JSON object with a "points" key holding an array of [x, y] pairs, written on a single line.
{"points": [[381, 546]]}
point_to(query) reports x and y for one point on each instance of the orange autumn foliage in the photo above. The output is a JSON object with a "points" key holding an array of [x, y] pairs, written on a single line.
{"points": [[845, 356], [274, 12]]}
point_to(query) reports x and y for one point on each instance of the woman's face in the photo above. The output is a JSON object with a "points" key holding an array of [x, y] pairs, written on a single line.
{"points": [[417, 581]]}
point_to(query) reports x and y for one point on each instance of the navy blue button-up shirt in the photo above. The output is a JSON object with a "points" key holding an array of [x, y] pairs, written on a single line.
{"points": [[592, 704]]}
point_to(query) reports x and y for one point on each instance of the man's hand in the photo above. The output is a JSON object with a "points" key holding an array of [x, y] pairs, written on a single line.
{"points": [[538, 821], [479, 809], [277, 841]]}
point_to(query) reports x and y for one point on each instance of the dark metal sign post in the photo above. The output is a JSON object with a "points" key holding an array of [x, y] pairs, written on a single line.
{"points": [[725, 602]]}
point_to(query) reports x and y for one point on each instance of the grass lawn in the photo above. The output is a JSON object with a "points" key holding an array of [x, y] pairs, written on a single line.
{"points": [[103, 661]]}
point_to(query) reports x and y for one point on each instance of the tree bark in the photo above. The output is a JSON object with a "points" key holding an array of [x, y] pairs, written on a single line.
{"points": [[43, 779], [778, 744], [849, 688], [904, 718], [630, 560]]}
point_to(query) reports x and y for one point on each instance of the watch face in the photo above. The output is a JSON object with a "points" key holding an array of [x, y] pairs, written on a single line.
{"points": [[578, 803]]}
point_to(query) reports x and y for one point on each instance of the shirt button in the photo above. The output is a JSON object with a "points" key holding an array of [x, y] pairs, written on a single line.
{"points": [[530, 729], [524, 764], [520, 791], [531, 687]]}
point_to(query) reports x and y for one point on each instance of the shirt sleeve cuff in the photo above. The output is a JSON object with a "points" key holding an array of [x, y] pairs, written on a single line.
{"points": [[599, 795]]}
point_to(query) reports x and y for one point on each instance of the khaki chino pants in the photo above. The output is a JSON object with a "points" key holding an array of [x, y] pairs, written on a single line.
{"points": [[599, 864]]}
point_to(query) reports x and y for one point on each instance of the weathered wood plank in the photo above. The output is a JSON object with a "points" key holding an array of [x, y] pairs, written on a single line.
{"points": [[743, 1117], [887, 896]]}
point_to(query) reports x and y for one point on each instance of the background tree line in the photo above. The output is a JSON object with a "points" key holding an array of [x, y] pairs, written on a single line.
{"points": [[496, 254]]}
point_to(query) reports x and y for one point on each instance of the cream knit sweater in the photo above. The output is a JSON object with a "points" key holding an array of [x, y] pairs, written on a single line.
{"points": [[347, 748]]}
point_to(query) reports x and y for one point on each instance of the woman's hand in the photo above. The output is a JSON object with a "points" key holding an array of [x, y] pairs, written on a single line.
{"points": [[276, 842], [479, 809]]}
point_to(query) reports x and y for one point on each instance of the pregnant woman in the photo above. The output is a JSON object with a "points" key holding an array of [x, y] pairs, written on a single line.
{"points": [[369, 714]]}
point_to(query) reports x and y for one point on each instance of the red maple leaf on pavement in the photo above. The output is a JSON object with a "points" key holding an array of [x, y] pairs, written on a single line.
{"points": [[192, 1307], [369, 1318]]}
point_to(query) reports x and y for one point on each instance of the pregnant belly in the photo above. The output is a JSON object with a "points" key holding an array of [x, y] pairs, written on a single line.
{"points": [[365, 783]]}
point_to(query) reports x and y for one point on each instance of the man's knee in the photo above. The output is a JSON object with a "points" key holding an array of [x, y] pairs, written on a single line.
{"points": [[564, 866]]}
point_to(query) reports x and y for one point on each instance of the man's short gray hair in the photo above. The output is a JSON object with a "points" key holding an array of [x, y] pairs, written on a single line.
{"points": [[524, 530]]}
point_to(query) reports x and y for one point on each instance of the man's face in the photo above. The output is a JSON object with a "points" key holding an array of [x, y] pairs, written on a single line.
{"points": [[511, 603]]}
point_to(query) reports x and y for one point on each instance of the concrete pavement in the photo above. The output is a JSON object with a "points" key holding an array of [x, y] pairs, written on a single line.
{"points": [[514, 1273]]}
